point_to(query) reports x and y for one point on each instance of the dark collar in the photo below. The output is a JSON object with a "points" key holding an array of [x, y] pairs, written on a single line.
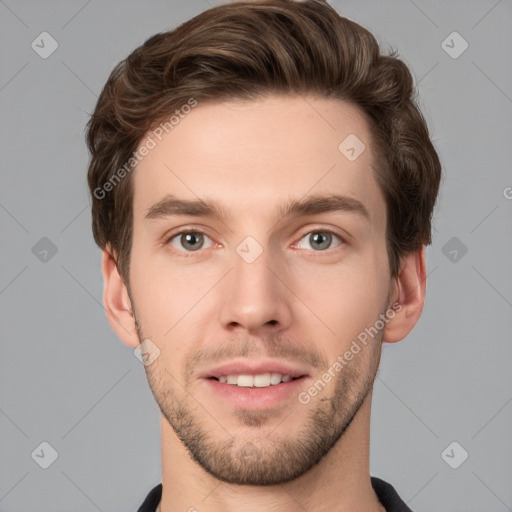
{"points": [[386, 493]]}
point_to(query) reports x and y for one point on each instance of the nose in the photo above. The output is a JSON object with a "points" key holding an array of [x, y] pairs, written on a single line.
{"points": [[255, 297]]}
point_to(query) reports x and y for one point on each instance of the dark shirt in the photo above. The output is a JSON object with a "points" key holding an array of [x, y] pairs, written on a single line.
{"points": [[384, 491]]}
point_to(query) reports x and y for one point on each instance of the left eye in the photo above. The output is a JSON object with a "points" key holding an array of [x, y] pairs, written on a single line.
{"points": [[320, 240]]}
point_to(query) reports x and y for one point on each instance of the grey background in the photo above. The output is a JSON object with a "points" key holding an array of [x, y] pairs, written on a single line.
{"points": [[66, 379]]}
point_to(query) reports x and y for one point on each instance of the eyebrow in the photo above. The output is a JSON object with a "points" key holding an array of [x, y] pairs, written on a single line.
{"points": [[170, 206]]}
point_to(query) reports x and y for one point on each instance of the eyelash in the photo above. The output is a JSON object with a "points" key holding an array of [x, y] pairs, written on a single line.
{"points": [[188, 254]]}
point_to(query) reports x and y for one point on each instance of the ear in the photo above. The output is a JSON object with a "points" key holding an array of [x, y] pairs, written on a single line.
{"points": [[117, 301], [410, 285]]}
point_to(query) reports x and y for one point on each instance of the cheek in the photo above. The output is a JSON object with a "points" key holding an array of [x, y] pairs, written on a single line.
{"points": [[169, 308], [157, 298], [342, 300]]}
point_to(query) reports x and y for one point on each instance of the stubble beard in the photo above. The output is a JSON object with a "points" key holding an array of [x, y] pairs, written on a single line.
{"points": [[264, 459]]}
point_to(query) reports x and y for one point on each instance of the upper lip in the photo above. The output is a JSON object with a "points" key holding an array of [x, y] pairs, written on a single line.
{"points": [[255, 367]]}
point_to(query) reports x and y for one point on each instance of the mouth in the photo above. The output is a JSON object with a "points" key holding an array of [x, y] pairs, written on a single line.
{"points": [[256, 384], [261, 380]]}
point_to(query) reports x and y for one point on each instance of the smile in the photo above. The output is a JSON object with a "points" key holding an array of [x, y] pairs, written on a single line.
{"points": [[263, 380]]}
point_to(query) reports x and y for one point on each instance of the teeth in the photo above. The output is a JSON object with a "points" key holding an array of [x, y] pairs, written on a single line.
{"points": [[245, 381], [263, 380], [275, 378]]}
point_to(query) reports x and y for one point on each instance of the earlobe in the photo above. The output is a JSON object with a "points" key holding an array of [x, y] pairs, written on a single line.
{"points": [[116, 301], [410, 295]]}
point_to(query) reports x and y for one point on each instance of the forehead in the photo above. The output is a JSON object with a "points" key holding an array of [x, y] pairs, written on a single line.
{"points": [[248, 155]]}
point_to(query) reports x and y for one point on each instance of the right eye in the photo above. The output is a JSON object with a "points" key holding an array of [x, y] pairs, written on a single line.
{"points": [[190, 241]]}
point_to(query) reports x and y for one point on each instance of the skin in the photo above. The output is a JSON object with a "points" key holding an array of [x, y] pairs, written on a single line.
{"points": [[295, 303]]}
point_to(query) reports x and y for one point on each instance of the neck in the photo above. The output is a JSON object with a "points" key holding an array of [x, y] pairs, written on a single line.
{"points": [[340, 481]]}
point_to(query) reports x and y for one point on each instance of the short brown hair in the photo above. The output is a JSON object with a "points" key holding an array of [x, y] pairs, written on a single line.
{"points": [[245, 50]]}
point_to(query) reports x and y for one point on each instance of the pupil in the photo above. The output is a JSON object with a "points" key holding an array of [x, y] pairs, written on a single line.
{"points": [[189, 240], [317, 238]]}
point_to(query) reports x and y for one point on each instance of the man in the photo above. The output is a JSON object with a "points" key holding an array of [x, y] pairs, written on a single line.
{"points": [[263, 185]]}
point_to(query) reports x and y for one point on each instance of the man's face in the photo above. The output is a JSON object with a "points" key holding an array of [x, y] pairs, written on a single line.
{"points": [[255, 292]]}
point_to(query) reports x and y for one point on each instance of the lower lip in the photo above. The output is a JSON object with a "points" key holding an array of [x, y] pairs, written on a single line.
{"points": [[256, 398]]}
